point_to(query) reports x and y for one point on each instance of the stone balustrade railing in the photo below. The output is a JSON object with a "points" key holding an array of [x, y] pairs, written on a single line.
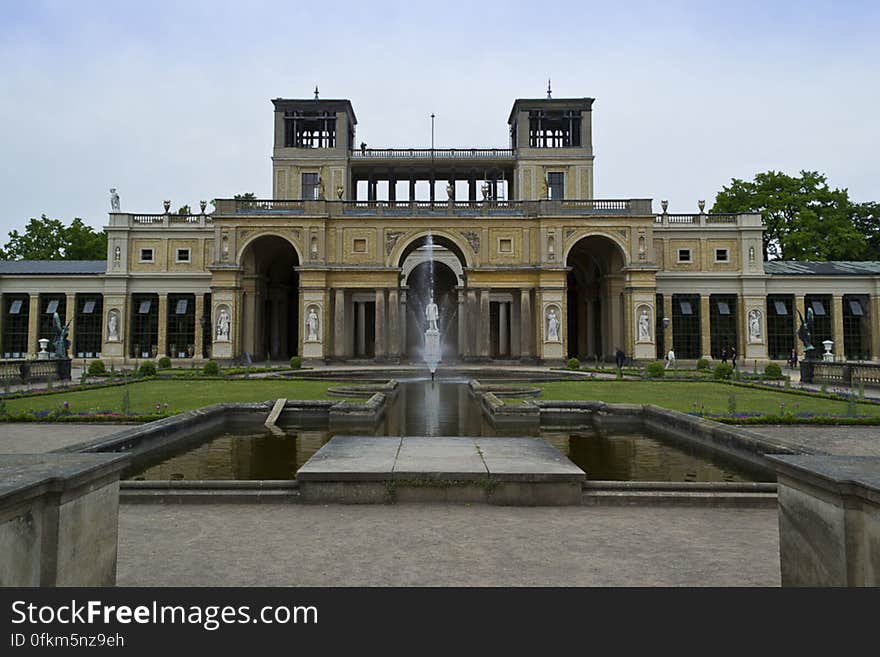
{"points": [[435, 153], [168, 219], [704, 219]]}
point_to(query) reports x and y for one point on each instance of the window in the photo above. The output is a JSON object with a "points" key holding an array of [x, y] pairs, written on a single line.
{"points": [[311, 130], [822, 320], [818, 308], [49, 305], [554, 129], [144, 325], [722, 323], [684, 255], [146, 255], [686, 325], [556, 185], [88, 324], [181, 334], [856, 328], [721, 255], [659, 328], [207, 327], [360, 245], [183, 255], [781, 326], [310, 186], [505, 245], [15, 325]]}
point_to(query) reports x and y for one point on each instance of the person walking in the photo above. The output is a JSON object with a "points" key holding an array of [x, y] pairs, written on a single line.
{"points": [[724, 354], [620, 358], [733, 357], [793, 359], [670, 359]]}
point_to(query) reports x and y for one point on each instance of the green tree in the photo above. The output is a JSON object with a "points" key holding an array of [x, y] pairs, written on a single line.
{"points": [[804, 218], [184, 209], [247, 196], [866, 219], [50, 239]]}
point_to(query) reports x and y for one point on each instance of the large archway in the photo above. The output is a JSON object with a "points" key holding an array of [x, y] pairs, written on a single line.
{"points": [[595, 298], [270, 318]]}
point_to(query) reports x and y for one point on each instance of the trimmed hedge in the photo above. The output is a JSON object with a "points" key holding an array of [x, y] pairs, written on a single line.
{"points": [[703, 364], [655, 370], [147, 369], [211, 368], [97, 368], [573, 364], [296, 363], [722, 371], [164, 363]]}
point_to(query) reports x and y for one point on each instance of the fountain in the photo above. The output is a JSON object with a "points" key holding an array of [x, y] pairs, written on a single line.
{"points": [[432, 352]]}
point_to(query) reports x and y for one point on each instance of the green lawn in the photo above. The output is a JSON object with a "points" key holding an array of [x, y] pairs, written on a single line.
{"points": [[681, 396], [179, 395]]}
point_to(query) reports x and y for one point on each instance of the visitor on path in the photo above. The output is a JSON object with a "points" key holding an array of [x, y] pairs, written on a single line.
{"points": [[670, 359], [793, 359], [620, 358], [724, 354], [733, 357]]}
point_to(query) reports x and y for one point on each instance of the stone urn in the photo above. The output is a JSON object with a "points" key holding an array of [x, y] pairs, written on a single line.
{"points": [[828, 356], [44, 343]]}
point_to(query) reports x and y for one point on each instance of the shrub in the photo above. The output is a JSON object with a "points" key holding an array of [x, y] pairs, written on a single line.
{"points": [[147, 369], [655, 370], [723, 371], [296, 362], [573, 364], [211, 368], [703, 364], [97, 368], [164, 363], [772, 371]]}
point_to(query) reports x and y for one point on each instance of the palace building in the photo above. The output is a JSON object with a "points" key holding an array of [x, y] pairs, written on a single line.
{"points": [[524, 262]]}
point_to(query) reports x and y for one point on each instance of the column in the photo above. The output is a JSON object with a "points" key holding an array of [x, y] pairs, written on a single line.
{"points": [[525, 323], [412, 187], [392, 188], [800, 307], [503, 345], [339, 323], [199, 310], [472, 187], [432, 181], [70, 318], [874, 327], [162, 345], [515, 341], [393, 323], [403, 345], [580, 342], [705, 328], [34, 324], [837, 318], [463, 351], [667, 331], [473, 322], [380, 348], [361, 329], [485, 324]]}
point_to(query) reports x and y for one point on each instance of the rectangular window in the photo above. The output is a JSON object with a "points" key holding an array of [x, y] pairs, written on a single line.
{"points": [[310, 130], [181, 334], [659, 327], [721, 255], [144, 326], [207, 327], [823, 323], [722, 324], [183, 255], [554, 129], [686, 325], [818, 308], [780, 307], [856, 328], [781, 326], [49, 305], [360, 245], [146, 255], [310, 186], [88, 325], [686, 307], [15, 325], [505, 245], [684, 255], [556, 186]]}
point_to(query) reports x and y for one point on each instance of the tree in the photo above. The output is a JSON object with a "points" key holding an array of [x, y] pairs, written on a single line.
{"points": [[50, 239], [247, 196], [184, 209], [866, 219], [804, 218]]}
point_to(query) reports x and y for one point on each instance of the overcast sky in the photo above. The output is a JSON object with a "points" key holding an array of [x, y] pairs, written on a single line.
{"points": [[167, 101]]}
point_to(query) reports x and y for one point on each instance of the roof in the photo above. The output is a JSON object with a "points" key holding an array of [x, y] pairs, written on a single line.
{"points": [[826, 268], [550, 103], [52, 267], [312, 104]]}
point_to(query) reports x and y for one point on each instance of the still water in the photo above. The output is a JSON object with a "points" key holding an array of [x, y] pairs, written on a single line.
{"points": [[443, 409]]}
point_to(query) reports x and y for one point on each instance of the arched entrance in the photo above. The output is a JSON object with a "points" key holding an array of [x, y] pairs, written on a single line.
{"points": [[595, 298], [270, 283], [432, 264]]}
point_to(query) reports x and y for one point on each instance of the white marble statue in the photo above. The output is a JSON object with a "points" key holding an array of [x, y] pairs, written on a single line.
{"points": [[223, 321], [754, 326], [113, 327], [644, 326], [552, 326], [114, 200], [312, 323], [432, 313]]}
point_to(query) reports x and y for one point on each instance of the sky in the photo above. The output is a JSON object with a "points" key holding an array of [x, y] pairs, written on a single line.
{"points": [[171, 100]]}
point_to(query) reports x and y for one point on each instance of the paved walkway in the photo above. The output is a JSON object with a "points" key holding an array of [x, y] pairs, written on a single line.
{"points": [[34, 438], [445, 545], [840, 441]]}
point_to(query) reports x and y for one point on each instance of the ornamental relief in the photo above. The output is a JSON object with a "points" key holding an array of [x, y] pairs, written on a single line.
{"points": [[473, 238]]}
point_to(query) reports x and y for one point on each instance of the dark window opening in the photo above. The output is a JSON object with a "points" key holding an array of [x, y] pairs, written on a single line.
{"points": [[144, 326], [780, 326], [88, 325], [856, 328], [659, 328], [15, 325], [823, 326], [684, 255], [554, 129], [49, 305], [311, 130], [207, 327], [181, 335], [686, 325], [556, 186], [722, 324], [310, 186]]}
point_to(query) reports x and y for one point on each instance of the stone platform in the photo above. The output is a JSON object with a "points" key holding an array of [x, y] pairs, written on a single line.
{"points": [[375, 470]]}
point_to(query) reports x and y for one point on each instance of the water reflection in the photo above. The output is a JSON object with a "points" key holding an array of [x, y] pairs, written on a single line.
{"points": [[444, 409]]}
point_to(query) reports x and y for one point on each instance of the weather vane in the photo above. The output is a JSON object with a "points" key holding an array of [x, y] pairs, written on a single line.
{"points": [[548, 89], [316, 92]]}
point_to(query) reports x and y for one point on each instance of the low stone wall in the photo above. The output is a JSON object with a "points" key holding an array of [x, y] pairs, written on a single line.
{"points": [[829, 520], [59, 519], [843, 374]]}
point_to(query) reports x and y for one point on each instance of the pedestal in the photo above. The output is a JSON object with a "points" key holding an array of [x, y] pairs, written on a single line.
{"points": [[432, 349]]}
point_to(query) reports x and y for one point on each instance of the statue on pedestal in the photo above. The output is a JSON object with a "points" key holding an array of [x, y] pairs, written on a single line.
{"points": [[432, 313], [114, 200], [62, 344]]}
